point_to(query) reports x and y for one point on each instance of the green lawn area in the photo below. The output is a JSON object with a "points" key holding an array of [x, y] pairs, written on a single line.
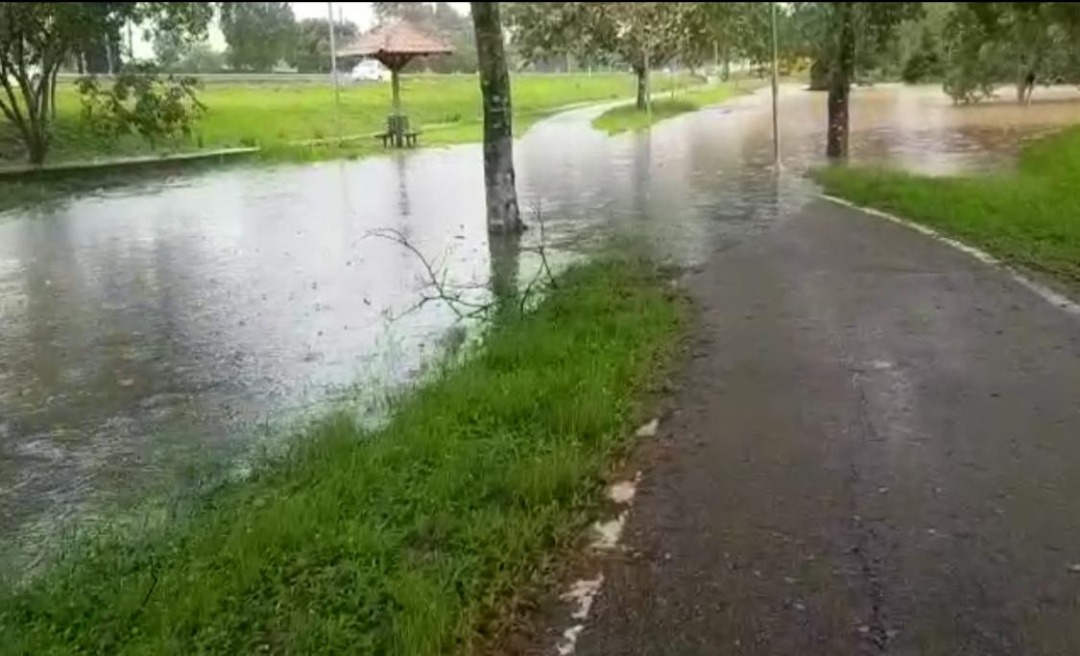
{"points": [[1029, 218], [446, 108], [414, 539], [629, 117]]}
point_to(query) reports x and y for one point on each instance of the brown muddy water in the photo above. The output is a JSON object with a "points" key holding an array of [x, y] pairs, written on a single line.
{"points": [[152, 332]]}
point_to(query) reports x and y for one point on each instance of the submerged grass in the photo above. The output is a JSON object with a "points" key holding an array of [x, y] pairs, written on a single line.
{"points": [[410, 540], [1030, 217], [629, 118]]}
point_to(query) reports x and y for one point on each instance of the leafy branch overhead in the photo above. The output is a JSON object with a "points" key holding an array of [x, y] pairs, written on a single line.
{"points": [[37, 38], [635, 31], [260, 34], [141, 102], [991, 42], [641, 34]]}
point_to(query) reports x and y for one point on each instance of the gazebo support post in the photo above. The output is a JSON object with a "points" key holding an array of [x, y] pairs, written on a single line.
{"points": [[397, 122], [395, 87]]}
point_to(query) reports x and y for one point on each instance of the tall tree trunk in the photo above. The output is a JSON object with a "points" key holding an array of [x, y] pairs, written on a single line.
{"points": [[36, 147], [26, 105], [842, 69], [642, 86], [502, 206], [504, 251]]}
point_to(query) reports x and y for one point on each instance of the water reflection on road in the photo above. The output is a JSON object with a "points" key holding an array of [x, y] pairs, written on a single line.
{"points": [[150, 329]]}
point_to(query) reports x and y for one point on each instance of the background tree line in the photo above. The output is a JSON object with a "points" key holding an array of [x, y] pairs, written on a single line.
{"points": [[970, 48], [264, 36]]}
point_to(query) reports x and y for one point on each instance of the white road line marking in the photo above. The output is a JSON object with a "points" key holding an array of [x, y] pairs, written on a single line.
{"points": [[606, 537], [623, 492], [607, 534], [649, 429], [1047, 294]]}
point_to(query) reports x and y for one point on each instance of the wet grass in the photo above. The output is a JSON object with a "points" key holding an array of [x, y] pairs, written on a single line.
{"points": [[298, 122], [1030, 217], [412, 540], [629, 118], [276, 117]]}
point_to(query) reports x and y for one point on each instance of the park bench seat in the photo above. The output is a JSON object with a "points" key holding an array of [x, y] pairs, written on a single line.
{"points": [[398, 124]]}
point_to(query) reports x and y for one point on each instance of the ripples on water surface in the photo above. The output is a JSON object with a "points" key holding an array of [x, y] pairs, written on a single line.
{"points": [[147, 330]]}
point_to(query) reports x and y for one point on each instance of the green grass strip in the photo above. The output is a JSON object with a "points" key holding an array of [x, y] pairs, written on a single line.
{"points": [[411, 540], [1030, 217], [629, 118]]}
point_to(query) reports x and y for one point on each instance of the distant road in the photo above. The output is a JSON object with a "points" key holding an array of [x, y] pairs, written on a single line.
{"points": [[306, 78], [244, 78]]}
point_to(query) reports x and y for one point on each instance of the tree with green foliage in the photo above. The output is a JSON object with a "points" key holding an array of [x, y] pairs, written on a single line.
{"points": [[441, 19], [457, 30], [417, 13], [37, 38], [170, 48], [845, 36], [259, 34], [919, 48], [141, 102], [993, 42], [925, 62], [503, 214], [643, 34], [201, 58], [312, 51]]}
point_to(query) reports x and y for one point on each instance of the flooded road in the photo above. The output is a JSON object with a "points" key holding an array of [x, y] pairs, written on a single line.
{"points": [[149, 333]]}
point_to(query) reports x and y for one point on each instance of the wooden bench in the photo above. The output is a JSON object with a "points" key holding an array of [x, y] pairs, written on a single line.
{"points": [[398, 132]]}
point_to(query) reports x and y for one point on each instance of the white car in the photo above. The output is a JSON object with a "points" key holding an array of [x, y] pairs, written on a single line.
{"points": [[369, 70]]}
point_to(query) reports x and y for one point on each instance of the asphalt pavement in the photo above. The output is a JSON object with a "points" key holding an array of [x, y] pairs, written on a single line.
{"points": [[874, 449]]}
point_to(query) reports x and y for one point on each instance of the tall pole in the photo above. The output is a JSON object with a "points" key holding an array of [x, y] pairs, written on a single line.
{"points": [[775, 91], [333, 69]]}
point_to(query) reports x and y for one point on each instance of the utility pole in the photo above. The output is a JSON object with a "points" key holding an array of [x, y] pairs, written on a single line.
{"points": [[333, 70], [775, 91]]}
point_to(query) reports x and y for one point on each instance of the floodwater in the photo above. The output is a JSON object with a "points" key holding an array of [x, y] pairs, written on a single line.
{"points": [[148, 332]]}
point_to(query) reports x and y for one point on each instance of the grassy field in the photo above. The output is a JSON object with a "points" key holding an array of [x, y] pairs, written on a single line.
{"points": [[1030, 218], [413, 540], [446, 108], [630, 118]]}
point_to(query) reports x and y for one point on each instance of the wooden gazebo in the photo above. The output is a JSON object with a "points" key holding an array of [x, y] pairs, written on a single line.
{"points": [[394, 45]]}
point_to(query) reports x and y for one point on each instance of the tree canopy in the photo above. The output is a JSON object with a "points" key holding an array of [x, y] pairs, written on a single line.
{"points": [[641, 34], [441, 19], [993, 42], [312, 49], [37, 38], [260, 34]]}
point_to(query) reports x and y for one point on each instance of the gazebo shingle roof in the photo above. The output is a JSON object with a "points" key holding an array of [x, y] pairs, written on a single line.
{"points": [[395, 40]]}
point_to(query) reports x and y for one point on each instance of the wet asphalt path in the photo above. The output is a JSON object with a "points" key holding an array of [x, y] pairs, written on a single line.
{"points": [[876, 450]]}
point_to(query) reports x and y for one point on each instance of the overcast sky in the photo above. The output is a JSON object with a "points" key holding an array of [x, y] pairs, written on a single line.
{"points": [[361, 13]]}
